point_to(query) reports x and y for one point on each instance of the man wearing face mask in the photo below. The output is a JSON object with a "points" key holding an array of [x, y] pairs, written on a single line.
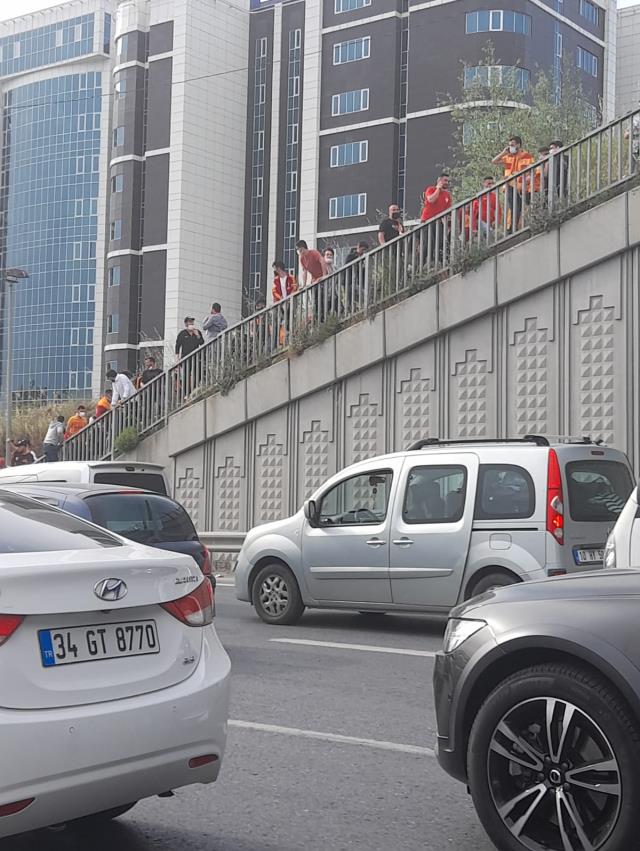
{"points": [[513, 158], [392, 226], [189, 339]]}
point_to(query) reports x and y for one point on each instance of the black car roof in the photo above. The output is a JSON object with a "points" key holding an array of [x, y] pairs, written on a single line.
{"points": [[75, 489]]}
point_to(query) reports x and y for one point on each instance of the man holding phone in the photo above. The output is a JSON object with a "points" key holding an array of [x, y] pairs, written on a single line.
{"points": [[513, 159]]}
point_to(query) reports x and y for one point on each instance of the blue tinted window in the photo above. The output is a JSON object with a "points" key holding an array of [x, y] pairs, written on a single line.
{"points": [[47, 45], [49, 204]]}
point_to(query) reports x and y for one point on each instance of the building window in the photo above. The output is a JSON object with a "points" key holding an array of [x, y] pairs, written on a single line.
{"points": [[106, 41], [590, 12], [347, 206], [73, 381], [118, 137], [121, 86], [350, 5], [292, 153], [117, 183], [498, 20], [17, 49], [352, 51], [116, 229], [75, 293], [112, 365], [114, 276], [488, 75], [77, 251], [348, 102], [587, 62], [89, 337], [113, 323], [59, 37], [75, 336], [123, 45], [350, 153], [257, 170]]}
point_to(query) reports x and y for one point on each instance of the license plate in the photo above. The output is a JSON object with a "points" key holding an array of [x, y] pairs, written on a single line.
{"points": [[70, 645], [590, 556]]}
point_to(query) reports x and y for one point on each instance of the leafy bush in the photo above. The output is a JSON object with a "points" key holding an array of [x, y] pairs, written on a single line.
{"points": [[127, 440]]}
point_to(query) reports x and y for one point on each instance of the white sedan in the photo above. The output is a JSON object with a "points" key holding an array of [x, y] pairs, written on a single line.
{"points": [[114, 685]]}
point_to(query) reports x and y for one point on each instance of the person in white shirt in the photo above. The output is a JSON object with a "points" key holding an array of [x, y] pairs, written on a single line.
{"points": [[122, 387], [54, 439]]}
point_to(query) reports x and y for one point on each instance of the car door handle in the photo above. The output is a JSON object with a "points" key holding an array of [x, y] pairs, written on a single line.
{"points": [[375, 542], [403, 542]]}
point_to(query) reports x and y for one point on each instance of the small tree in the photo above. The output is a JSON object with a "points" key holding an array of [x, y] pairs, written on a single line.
{"points": [[499, 103]]}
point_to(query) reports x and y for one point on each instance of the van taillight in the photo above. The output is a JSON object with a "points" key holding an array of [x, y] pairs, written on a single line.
{"points": [[555, 503], [8, 625]]}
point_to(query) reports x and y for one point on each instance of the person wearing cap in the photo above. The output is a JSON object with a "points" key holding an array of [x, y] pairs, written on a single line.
{"points": [[23, 453], [189, 339]]}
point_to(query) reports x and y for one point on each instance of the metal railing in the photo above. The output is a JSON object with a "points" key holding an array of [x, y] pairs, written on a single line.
{"points": [[559, 185]]}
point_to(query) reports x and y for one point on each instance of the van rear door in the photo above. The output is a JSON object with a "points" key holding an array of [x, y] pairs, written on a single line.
{"points": [[598, 484]]}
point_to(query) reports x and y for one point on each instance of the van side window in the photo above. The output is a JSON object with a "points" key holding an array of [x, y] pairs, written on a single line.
{"points": [[505, 492], [360, 500], [435, 494]]}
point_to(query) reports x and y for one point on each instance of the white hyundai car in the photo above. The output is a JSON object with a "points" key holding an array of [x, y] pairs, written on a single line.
{"points": [[113, 683]]}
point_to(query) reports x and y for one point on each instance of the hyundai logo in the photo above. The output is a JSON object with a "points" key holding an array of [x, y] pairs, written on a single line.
{"points": [[110, 589]]}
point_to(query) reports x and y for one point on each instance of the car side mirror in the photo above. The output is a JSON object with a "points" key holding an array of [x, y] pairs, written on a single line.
{"points": [[311, 512]]}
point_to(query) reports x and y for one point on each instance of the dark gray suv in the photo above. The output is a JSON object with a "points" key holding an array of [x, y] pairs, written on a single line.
{"points": [[538, 703]]}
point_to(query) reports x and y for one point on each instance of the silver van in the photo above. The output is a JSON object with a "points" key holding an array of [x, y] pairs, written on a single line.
{"points": [[136, 475], [424, 529]]}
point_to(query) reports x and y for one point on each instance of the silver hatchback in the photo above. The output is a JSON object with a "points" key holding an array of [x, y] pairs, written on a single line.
{"points": [[424, 529]]}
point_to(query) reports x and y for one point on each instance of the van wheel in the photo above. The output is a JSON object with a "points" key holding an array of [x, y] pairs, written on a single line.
{"points": [[496, 579], [276, 595]]}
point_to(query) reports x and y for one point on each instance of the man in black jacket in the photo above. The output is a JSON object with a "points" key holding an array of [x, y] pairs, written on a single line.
{"points": [[187, 342]]}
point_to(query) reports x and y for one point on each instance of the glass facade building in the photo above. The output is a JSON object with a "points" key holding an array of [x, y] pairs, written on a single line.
{"points": [[50, 191]]}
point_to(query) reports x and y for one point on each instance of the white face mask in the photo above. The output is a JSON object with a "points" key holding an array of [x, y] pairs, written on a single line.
{"points": [[513, 149]]}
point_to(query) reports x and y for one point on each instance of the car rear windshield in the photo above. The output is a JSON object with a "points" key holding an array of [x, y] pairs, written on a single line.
{"points": [[145, 481], [27, 526], [598, 490], [142, 517]]}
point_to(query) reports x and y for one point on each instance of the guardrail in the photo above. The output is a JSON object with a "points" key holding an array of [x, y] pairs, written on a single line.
{"points": [[555, 187], [223, 542]]}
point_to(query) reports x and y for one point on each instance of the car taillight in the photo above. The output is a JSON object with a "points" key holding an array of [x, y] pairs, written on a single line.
{"points": [[206, 568], [196, 608], [555, 504], [15, 807], [8, 625]]}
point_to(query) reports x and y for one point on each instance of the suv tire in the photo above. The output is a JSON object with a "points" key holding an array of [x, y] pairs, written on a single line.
{"points": [[276, 595], [511, 751]]}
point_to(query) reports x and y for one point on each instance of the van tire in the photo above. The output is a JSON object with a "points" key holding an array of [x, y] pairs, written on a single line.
{"points": [[276, 595], [489, 581]]}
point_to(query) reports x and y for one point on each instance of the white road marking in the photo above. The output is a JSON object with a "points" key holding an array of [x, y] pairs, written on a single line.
{"points": [[225, 584], [332, 737], [371, 648]]}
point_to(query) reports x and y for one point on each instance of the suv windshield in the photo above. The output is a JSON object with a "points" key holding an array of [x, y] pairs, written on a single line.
{"points": [[598, 490], [27, 526], [142, 517]]}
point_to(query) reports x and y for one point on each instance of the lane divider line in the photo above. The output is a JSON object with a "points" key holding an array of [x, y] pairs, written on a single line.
{"points": [[334, 738], [371, 648]]}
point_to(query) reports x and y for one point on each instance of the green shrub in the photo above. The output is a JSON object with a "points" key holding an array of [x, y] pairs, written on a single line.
{"points": [[127, 440]]}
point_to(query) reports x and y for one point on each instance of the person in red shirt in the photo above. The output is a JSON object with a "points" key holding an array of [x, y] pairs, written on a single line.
{"points": [[485, 210], [436, 200], [312, 263], [284, 284]]}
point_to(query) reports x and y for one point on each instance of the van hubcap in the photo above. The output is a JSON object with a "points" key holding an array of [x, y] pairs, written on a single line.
{"points": [[274, 595], [554, 777]]}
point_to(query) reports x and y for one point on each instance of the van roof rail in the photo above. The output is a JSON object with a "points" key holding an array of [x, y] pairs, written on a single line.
{"points": [[536, 439]]}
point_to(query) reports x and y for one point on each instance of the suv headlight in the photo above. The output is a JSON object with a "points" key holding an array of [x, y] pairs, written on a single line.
{"points": [[458, 631], [610, 553]]}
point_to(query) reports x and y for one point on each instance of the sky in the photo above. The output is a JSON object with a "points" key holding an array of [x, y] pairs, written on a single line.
{"points": [[13, 8]]}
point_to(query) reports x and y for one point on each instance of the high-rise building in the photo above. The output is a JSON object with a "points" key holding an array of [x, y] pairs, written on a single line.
{"points": [[55, 72], [628, 58], [345, 108], [177, 167]]}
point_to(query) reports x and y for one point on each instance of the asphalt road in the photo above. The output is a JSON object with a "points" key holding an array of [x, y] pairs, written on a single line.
{"points": [[283, 790]]}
